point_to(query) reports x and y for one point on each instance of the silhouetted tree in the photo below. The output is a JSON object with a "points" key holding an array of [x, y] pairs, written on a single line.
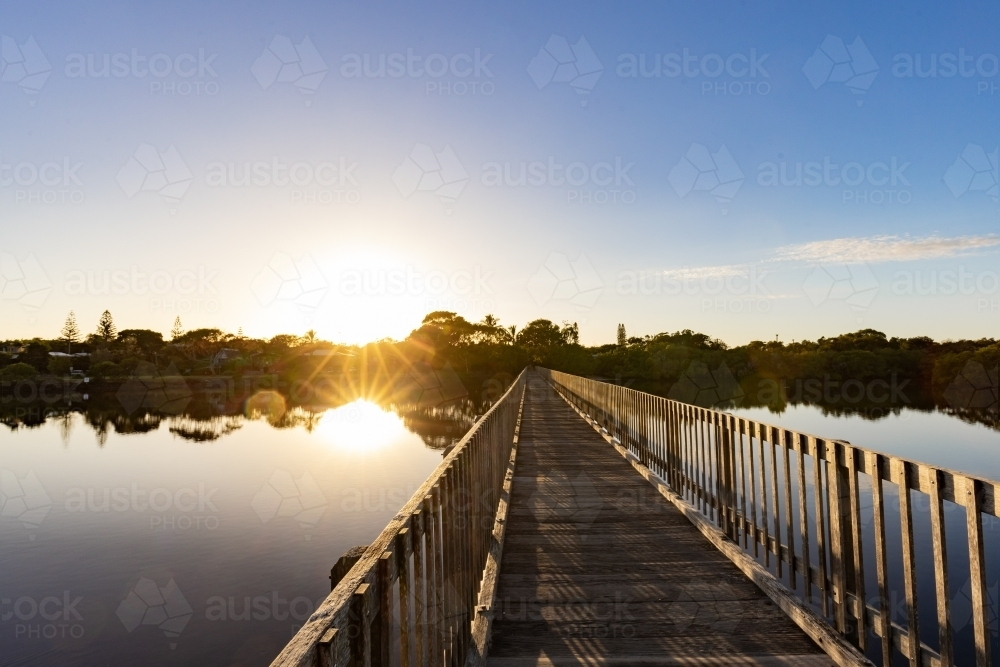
{"points": [[70, 332], [106, 329], [178, 330]]}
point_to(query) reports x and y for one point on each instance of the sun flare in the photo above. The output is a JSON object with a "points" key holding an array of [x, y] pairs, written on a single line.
{"points": [[360, 426]]}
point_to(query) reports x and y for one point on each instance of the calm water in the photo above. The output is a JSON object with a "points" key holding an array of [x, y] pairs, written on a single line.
{"points": [[209, 542], [929, 437], [158, 542]]}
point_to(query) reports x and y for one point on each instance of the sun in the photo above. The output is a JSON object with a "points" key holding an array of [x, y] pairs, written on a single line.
{"points": [[360, 427]]}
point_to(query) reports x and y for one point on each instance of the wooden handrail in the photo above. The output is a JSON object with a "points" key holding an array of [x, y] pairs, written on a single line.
{"points": [[434, 561], [739, 474]]}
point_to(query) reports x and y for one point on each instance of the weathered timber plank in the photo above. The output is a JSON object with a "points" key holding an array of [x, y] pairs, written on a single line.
{"points": [[587, 538]]}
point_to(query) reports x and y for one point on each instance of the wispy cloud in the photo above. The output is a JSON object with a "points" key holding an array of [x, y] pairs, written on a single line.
{"points": [[850, 250], [699, 272], [881, 249]]}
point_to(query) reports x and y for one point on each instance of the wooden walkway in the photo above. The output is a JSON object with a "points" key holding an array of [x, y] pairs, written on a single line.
{"points": [[599, 569]]}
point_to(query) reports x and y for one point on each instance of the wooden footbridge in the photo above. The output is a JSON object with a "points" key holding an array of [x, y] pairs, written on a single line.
{"points": [[583, 523]]}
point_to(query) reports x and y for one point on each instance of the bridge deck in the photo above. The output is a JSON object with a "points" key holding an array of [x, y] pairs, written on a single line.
{"points": [[598, 568]]}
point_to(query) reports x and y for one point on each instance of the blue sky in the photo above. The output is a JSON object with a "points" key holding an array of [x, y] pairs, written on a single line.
{"points": [[377, 197]]}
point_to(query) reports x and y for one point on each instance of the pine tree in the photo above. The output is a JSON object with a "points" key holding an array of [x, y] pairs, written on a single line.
{"points": [[70, 332], [622, 338], [178, 329], [106, 329]]}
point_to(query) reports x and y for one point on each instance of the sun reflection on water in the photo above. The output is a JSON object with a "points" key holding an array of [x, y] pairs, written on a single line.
{"points": [[360, 426]]}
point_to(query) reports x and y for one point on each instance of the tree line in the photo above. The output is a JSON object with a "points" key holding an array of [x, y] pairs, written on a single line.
{"points": [[684, 364]]}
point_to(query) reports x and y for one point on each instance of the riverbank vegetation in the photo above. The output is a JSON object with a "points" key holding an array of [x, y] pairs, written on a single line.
{"points": [[448, 356]]}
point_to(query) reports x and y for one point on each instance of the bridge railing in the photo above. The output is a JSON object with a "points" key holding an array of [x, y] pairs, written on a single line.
{"points": [[818, 513], [414, 596]]}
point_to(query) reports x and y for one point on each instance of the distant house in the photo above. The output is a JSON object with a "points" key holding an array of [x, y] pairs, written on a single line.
{"points": [[75, 354], [11, 349], [224, 355]]}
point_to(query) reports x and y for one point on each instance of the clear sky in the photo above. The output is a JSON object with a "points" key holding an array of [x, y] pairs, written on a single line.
{"points": [[744, 169]]}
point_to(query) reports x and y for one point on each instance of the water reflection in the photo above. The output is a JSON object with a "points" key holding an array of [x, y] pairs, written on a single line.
{"points": [[233, 516], [432, 403], [871, 400], [359, 427]]}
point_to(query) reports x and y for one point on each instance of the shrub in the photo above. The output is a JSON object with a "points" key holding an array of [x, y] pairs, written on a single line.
{"points": [[106, 369], [60, 365], [19, 371]]}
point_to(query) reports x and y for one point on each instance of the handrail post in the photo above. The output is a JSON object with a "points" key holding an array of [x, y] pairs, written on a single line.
{"points": [[977, 573]]}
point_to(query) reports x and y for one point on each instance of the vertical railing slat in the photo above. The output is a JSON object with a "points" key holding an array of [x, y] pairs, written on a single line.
{"points": [[977, 572], [784, 443], [764, 514], [438, 585], [382, 646], [403, 546], [754, 502], [735, 514], [817, 449], [940, 547], [775, 504], [419, 586], [738, 442], [857, 545], [874, 464], [838, 565], [901, 477]]}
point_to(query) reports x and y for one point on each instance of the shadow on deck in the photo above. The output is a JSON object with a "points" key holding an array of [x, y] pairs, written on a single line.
{"points": [[599, 569]]}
